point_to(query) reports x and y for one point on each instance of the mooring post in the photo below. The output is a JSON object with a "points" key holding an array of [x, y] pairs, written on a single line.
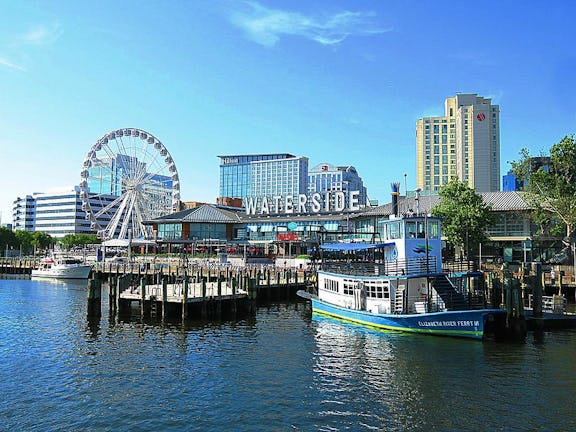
{"points": [[537, 290], [142, 297], [94, 298], [219, 301], [120, 286], [234, 306], [112, 294], [203, 311], [164, 297], [185, 298]]}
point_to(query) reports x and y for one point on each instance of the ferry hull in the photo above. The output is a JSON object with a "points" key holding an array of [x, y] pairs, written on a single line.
{"points": [[467, 323]]}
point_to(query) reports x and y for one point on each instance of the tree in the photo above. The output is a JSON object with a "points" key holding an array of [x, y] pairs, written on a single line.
{"points": [[465, 215], [7, 239], [41, 240], [24, 239], [551, 189], [71, 240]]}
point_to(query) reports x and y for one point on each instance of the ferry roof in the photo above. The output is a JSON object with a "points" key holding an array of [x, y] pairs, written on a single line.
{"points": [[353, 246]]}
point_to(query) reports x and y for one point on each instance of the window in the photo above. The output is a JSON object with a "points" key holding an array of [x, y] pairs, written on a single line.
{"points": [[349, 287], [331, 285], [392, 230]]}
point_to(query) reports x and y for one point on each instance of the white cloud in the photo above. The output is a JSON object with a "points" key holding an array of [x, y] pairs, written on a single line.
{"points": [[7, 63], [21, 45], [265, 26], [42, 35]]}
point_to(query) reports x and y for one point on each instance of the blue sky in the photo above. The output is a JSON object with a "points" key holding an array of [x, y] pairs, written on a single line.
{"points": [[341, 82]]}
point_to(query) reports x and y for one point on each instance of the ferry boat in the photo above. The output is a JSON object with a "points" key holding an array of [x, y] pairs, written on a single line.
{"points": [[62, 268], [399, 284]]}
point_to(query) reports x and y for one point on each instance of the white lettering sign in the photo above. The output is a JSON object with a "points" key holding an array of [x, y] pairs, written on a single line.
{"points": [[327, 202]]}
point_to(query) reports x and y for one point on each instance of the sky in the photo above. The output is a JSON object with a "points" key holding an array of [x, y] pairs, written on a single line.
{"points": [[338, 81]]}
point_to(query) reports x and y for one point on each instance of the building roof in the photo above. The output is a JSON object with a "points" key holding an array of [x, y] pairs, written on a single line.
{"points": [[212, 213], [207, 213], [500, 201]]}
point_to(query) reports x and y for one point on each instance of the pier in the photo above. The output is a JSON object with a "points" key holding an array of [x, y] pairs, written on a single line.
{"points": [[195, 292]]}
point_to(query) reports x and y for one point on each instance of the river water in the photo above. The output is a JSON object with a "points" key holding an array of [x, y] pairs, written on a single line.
{"points": [[282, 370]]}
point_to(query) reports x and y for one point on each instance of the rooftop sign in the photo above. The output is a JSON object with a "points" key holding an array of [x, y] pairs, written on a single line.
{"points": [[315, 203]]}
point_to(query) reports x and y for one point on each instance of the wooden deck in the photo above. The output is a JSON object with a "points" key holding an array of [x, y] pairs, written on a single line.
{"points": [[175, 292]]}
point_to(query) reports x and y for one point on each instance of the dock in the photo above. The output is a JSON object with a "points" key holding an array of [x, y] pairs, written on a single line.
{"points": [[194, 293]]}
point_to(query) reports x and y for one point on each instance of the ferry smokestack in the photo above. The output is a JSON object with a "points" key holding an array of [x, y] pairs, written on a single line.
{"points": [[395, 193]]}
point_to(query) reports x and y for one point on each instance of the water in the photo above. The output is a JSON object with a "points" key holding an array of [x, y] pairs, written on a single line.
{"points": [[279, 371]]}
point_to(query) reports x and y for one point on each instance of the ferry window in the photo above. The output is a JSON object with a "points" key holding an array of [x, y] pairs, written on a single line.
{"points": [[420, 229], [433, 229], [374, 291], [410, 229], [348, 287], [331, 285], [392, 230]]}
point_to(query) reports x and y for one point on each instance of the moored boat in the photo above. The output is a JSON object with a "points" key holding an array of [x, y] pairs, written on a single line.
{"points": [[399, 284], [62, 268]]}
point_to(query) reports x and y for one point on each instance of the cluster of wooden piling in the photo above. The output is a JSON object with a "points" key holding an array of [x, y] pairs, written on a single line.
{"points": [[204, 294], [16, 267]]}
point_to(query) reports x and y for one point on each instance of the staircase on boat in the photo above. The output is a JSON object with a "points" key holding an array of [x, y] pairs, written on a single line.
{"points": [[453, 300]]}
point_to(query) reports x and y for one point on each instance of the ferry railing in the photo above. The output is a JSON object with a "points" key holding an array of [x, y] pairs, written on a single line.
{"points": [[420, 266]]}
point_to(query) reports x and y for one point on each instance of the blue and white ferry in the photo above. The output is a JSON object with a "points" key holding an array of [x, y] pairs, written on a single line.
{"points": [[399, 284]]}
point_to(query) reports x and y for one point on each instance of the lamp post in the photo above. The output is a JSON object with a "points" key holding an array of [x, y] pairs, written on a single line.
{"points": [[405, 184]]}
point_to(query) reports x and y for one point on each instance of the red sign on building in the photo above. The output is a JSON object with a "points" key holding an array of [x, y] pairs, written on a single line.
{"points": [[287, 236]]}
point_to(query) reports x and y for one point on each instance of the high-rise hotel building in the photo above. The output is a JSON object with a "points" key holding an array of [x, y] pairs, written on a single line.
{"points": [[465, 142], [263, 175], [331, 178]]}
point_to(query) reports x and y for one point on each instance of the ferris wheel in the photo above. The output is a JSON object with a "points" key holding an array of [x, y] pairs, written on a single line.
{"points": [[127, 177]]}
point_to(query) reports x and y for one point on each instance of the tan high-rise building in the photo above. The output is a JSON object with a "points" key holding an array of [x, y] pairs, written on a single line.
{"points": [[465, 142]]}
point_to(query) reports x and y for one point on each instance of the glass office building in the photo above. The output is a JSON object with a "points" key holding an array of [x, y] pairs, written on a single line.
{"points": [[267, 175]]}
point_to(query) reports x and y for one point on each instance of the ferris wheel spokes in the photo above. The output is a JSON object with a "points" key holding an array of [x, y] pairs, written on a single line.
{"points": [[128, 177]]}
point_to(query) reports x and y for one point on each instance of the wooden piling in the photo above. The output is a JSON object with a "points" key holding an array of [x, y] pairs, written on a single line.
{"points": [[164, 297], [185, 299], [142, 297], [94, 295]]}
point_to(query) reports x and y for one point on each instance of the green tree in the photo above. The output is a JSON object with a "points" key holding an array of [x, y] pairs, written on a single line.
{"points": [[42, 240], [71, 240], [7, 239], [551, 190], [24, 239], [465, 216]]}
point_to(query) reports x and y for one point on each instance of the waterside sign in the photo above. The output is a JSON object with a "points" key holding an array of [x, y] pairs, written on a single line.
{"points": [[315, 203]]}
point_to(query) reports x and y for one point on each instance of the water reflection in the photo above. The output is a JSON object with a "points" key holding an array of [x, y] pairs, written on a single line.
{"points": [[279, 370], [416, 382], [65, 283]]}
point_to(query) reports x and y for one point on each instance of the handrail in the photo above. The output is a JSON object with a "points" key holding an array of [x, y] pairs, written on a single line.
{"points": [[396, 268]]}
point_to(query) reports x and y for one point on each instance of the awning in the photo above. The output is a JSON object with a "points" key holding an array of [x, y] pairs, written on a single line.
{"points": [[126, 242], [266, 228], [331, 226], [353, 246]]}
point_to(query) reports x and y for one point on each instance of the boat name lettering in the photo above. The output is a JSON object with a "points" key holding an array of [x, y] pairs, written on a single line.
{"points": [[302, 203], [449, 323]]}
